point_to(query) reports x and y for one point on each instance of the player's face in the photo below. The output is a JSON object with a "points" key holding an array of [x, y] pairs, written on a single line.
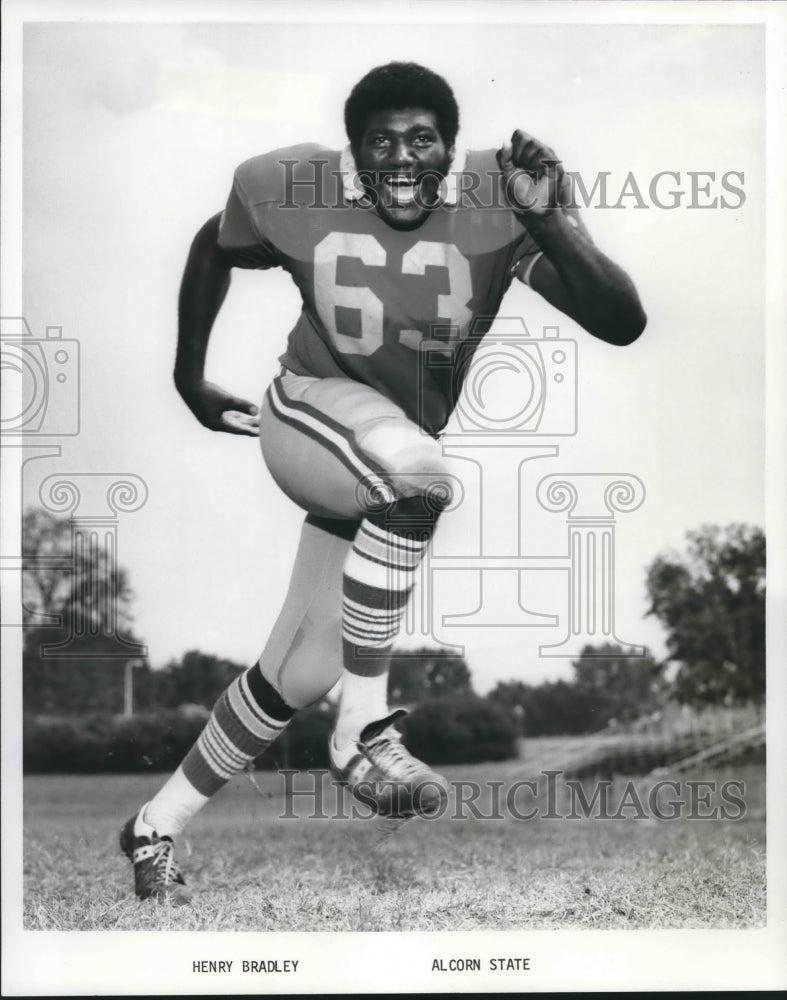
{"points": [[401, 158]]}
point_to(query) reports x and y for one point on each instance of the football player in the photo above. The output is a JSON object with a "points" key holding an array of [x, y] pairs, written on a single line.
{"points": [[402, 249]]}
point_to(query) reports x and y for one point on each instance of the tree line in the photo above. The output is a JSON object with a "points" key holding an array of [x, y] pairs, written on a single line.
{"points": [[710, 599]]}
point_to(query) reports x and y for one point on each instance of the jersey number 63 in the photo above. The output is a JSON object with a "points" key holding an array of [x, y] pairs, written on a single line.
{"points": [[452, 308]]}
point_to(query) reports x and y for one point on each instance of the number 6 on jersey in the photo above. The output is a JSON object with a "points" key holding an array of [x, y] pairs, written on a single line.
{"points": [[451, 308]]}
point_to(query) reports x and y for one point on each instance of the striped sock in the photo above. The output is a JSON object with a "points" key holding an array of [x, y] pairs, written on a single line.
{"points": [[245, 720], [378, 576]]}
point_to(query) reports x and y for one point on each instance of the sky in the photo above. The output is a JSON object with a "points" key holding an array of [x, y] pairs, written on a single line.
{"points": [[131, 136]]}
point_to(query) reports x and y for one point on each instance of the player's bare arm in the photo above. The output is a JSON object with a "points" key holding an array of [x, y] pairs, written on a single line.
{"points": [[203, 289], [573, 275]]}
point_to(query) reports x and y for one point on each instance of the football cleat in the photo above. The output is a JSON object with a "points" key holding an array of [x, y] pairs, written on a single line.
{"points": [[380, 772], [156, 873]]}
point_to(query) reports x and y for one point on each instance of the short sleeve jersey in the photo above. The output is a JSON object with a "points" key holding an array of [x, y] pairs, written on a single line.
{"points": [[401, 311]]}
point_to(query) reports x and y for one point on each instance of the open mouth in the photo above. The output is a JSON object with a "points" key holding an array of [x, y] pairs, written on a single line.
{"points": [[400, 190]]}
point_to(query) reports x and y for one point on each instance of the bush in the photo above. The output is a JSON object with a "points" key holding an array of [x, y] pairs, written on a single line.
{"points": [[157, 741], [463, 729], [108, 744], [449, 730], [304, 743]]}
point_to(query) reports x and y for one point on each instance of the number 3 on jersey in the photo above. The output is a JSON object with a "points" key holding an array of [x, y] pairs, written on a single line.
{"points": [[452, 308]]}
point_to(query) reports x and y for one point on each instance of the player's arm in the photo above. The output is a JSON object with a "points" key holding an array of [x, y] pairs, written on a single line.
{"points": [[203, 289], [573, 274]]}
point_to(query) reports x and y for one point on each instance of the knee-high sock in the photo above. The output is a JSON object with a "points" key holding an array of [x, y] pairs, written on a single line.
{"points": [[378, 577], [300, 663], [245, 720]]}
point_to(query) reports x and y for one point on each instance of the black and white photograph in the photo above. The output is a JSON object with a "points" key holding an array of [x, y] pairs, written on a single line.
{"points": [[393, 422]]}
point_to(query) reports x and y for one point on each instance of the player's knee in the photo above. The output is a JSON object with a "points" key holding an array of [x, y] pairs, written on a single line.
{"points": [[424, 460], [423, 474], [414, 463]]}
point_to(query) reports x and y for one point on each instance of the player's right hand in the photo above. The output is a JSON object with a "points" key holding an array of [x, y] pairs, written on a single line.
{"points": [[219, 410]]}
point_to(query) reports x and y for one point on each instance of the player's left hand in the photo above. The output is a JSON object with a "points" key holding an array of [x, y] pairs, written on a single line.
{"points": [[534, 180]]}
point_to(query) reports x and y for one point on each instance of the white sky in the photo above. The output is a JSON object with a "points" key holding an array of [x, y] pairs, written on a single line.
{"points": [[131, 136]]}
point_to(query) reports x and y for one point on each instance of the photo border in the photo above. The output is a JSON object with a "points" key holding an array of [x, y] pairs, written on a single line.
{"points": [[125, 963]]}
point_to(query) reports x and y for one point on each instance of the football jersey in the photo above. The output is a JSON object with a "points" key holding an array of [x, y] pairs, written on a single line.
{"points": [[401, 311]]}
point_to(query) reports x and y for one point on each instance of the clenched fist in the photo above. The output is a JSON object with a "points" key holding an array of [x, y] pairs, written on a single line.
{"points": [[534, 180]]}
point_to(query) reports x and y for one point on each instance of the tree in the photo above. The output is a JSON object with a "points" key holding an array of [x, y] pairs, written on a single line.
{"points": [[46, 557], [63, 584], [77, 620], [552, 708], [196, 679], [712, 603], [615, 686], [427, 673], [606, 685]]}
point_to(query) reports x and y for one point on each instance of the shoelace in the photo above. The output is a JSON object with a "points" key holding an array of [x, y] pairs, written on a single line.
{"points": [[387, 753], [164, 862]]}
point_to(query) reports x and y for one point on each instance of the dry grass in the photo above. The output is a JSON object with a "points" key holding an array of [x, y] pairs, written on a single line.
{"points": [[250, 870]]}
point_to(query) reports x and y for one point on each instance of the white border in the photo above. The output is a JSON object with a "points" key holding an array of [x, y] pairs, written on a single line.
{"points": [[109, 963]]}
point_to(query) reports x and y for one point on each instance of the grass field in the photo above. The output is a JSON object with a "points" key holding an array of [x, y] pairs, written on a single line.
{"points": [[250, 870]]}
